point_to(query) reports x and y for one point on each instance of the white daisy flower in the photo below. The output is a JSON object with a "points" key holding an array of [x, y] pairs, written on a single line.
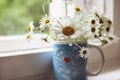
{"points": [[105, 21], [92, 32], [105, 42], [112, 38], [84, 52], [96, 12], [77, 10], [28, 36], [105, 25], [98, 26], [45, 21], [68, 29], [30, 27]]}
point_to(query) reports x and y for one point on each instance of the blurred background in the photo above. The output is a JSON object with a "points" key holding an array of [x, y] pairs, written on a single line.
{"points": [[16, 14]]}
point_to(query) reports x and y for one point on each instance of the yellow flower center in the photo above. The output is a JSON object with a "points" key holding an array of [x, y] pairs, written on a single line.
{"points": [[28, 28], [46, 21], [28, 37], [68, 30], [77, 8]]}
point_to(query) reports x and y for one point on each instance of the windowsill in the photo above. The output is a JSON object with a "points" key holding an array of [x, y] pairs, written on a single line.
{"points": [[18, 45], [25, 52]]}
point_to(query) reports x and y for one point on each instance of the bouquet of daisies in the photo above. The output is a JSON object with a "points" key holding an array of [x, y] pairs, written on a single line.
{"points": [[93, 27]]}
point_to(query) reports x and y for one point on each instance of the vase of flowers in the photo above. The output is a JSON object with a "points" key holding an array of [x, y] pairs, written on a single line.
{"points": [[70, 62], [67, 63], [71, 36]]}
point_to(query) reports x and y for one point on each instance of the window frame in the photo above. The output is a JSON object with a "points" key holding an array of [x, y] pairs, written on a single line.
{"points": [[17, 43]]}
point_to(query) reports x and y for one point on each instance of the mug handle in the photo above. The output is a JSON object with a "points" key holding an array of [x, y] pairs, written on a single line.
{"points": [[103, 61]]}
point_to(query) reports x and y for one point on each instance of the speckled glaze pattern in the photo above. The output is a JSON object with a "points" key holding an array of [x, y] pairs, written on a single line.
{"points": [[68, 65]]}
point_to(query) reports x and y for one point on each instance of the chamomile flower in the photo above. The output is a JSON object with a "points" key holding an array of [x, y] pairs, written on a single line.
{"points": [[105, 26], [112, 38], [68, 29], [84, 52], [96, 12], [104, 40], [105, 21], [28, 37], [30, 27], [77, 10], [92, 31], [104, 43], [44, 22]]}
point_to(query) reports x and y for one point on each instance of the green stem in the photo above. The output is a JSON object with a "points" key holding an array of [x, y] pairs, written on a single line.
{"points": [[77, 45], [36, 28], [44, 4], [60, 24], [52, 35]]}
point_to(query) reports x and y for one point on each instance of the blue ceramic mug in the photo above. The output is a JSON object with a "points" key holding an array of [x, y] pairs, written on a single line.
{"points": [[68, 65]]}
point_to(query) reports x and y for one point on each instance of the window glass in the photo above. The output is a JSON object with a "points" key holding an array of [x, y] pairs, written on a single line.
{"points": [[16, 14]]}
